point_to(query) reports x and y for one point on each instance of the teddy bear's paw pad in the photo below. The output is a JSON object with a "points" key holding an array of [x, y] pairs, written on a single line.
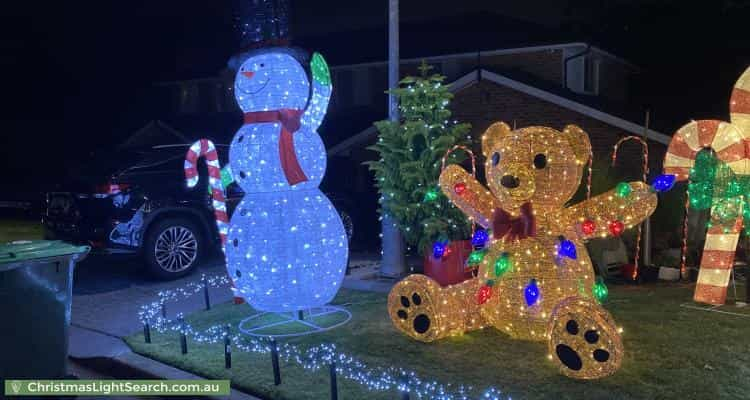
{"points": [[411, 309], [584, 342]]}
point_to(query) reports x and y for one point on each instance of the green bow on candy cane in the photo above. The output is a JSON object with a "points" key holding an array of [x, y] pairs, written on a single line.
{"points": [[226, 178], [713, 185]]}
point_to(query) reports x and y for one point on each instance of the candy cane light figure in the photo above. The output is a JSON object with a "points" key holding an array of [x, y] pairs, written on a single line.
{"points": [[286, 248], [731, 142]]}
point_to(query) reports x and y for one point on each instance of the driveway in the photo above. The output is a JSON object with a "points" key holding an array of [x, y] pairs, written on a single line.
{"points": [[108, 293]]}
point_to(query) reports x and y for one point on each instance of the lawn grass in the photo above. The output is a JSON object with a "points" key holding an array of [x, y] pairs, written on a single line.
{"points": [[671, 353], [20, 229]]}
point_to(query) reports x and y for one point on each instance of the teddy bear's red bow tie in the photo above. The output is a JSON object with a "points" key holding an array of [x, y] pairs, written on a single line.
{"points": [[521, 227]]}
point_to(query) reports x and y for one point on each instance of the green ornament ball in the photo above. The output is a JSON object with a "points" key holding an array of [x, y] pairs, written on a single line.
{"points": [[623, 189]]}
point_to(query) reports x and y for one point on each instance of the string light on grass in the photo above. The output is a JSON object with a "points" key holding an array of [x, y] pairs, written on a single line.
{"points": [[314, 358]]}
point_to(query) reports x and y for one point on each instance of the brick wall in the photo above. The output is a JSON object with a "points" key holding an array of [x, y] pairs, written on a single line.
{"points": [[614, 79], [488, 102], [545, 65]]}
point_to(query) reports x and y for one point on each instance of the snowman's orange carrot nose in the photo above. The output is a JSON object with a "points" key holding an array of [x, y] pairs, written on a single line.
{"points": [[248, 74]]}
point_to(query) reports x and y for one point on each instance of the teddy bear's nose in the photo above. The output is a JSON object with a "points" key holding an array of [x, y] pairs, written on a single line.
{"points": [[510, 181]]}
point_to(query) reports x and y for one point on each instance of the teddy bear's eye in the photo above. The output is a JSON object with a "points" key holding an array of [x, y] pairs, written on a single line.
{"points": [[540, 161], [495, 158]]}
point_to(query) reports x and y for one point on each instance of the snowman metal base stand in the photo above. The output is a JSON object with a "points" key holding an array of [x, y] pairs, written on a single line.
{"points": [[300, 323], [285, 245]]}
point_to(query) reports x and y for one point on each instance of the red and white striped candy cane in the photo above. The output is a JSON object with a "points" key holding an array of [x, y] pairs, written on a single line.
{"points": [[731, 142], [206, 149], [739, 104]]}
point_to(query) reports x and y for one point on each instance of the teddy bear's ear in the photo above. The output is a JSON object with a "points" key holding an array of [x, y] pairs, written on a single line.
{"points": [[492, 135], [579, 141]]}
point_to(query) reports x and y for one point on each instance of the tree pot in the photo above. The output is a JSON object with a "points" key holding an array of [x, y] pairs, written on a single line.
{"points": [[451, 268]]}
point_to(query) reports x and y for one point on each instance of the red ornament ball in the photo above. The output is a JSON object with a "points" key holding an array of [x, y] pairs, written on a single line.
{"points": [[484, 294], [616, 227], [588, 227], [459, 188], [447, 252]]}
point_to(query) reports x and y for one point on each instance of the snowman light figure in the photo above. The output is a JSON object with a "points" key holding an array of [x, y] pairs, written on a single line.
{"points": [[286, 247]]}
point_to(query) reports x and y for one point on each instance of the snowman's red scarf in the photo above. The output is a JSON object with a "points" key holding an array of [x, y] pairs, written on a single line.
{"points": [[290, 123]]}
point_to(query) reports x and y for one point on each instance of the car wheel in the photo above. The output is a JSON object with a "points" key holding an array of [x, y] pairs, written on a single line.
{"points": [[173, 248]]}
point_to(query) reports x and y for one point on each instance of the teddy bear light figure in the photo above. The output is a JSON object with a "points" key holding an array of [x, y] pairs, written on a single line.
{"points": [[535, 279]]}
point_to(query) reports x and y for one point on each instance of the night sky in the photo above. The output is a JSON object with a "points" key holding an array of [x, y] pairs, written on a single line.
{"points": [[76, 73]]}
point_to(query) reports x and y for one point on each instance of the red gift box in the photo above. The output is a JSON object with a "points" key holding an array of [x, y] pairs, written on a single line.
{"points": [[451, 268]]}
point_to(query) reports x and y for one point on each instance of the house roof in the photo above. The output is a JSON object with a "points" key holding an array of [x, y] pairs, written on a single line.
{"points": [[483, 31], [178, 129], [155, 132], [585, 105]]}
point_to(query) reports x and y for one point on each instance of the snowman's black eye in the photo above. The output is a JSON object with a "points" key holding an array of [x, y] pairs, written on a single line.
{"points": [[262, 65], [495, 158], [540, 161]]}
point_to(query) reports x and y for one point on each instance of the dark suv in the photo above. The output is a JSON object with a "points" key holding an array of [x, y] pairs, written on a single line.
{"points": [[145, 208]]}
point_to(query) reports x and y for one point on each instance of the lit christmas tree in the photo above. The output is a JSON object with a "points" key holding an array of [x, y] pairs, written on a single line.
{"points": [[410, 153]]}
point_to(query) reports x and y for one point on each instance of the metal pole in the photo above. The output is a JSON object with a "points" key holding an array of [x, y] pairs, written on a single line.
{"points": [[334, 386], [647, 223], [205, 293], [183, 337], [275, 363], [393, 261], [147, 332], [227, 348]]}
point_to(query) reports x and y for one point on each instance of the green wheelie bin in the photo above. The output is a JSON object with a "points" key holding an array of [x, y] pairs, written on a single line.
{"points": [[36, 289]]}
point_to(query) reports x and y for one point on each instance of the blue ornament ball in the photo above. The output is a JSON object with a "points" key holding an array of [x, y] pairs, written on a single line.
{"points": [[664, 183], [438, 249], [531, 292], [566, 248], [480, 238]]}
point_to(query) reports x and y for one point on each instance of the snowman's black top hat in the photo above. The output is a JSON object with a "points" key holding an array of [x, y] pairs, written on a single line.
{"points": [[262, 23]]}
